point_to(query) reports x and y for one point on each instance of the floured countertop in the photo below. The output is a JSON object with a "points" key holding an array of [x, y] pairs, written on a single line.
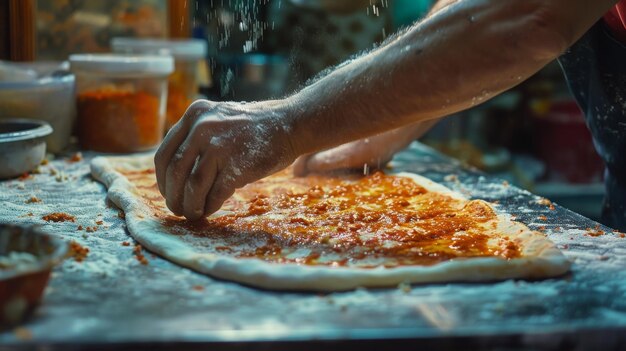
{"points": [[111, 300]]}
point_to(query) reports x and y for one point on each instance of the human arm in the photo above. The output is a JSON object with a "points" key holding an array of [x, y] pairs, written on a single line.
{"points": [[371, 152], [460, 56], [379, 149]]}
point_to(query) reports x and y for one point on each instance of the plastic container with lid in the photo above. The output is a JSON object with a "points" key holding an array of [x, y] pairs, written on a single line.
{"points": [[120, 100], [189, 55], [41, 91]]}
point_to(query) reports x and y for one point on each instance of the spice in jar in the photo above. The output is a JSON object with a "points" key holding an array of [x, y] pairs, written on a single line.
{"points": [[177, 99], [114, 120], [182, 88]]}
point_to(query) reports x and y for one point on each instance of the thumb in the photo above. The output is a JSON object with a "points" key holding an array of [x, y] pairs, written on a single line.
{"points": [[341, 157], [300, 168]]}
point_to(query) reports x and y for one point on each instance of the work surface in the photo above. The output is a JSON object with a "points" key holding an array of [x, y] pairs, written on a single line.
{"points": [[112, 301]]}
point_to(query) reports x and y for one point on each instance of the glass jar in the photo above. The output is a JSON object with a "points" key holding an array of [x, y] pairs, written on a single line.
{"points": [[120, 101], [189, 55]]}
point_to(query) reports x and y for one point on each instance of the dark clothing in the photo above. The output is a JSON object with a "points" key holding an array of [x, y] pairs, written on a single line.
{"points": [[615, 19], [595, 68]]}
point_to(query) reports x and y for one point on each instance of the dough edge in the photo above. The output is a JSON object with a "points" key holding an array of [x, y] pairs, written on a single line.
{"points": [[541, 258]]}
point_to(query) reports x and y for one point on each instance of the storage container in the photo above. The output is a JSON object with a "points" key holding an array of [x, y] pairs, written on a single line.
{"points": [[32, 92], [189, 55], [120, 100]]}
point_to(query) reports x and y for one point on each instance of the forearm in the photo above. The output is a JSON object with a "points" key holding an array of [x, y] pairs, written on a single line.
{"points": [[461, 56], [440, 5]]}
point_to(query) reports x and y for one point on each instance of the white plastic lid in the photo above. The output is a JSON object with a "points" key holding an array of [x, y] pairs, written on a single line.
{"points": [[189, 49], [123, 65]]}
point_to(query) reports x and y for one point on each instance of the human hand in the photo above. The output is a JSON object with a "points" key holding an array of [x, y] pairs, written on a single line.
{"points": [[375, 152], [218, 147]]}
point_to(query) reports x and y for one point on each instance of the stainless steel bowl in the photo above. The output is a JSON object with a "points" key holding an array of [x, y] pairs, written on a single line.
{"points": [[22, 284], [22, 145]]}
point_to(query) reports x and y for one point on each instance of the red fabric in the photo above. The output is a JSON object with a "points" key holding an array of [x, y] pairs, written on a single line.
{"points": [[616, 20]]}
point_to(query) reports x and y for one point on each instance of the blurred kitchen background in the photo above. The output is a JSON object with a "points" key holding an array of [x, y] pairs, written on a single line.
{"points": [[533, 136]]}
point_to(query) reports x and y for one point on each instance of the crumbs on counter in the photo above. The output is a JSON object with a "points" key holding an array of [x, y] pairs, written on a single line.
{"points": [[198, 288], [80, 227], [33, 200], [29, 214], [542, 218], [25, 176], [617, 233], [546, 202], [91, 229], [44, 162], [125, 243], [77, 157], [138, 255], [77, 251], [99, 222], [59, 217], [61, 177], [121, 214], [595, 231]]}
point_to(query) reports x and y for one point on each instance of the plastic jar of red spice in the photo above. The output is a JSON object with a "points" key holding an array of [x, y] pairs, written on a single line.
{"points": [[120, 101], [189, 68]]}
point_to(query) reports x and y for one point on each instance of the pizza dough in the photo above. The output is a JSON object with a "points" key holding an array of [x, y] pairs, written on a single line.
{"points": [[508, 249]]}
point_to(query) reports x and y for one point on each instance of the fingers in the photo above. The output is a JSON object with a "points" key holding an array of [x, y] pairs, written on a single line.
{"points": [[164, 154], [221, 190], [177, 172], [198, 185], [173, 140]]}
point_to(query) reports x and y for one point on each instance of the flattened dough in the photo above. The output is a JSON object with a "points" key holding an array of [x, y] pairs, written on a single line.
{"points": [[539, 256]]}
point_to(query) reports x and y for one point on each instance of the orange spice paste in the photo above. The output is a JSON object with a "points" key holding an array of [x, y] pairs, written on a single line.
{"points": [[347, 221], [112, 120]]}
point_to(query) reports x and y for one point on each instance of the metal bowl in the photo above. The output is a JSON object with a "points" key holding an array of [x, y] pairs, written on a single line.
{"points": [[22, 145], [22, 284]]}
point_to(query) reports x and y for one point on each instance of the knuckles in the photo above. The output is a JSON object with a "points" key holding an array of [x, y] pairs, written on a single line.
{"points": [[198, 109], [177, 160], [196, 179]]}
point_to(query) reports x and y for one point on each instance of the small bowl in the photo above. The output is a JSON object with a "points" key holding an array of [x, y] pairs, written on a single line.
{"points": [[22, 282], [22, 145]]}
